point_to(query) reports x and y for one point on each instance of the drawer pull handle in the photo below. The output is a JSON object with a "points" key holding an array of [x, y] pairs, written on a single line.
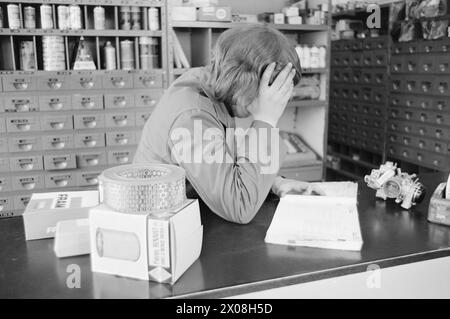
{"points": [[118, 83], [436, 163], [57, 125], [1, 207], [149, 101], [419, 158], [21, 86], [27, 166], [122, 141], [55, 105], [148, 82], [26, 146], [92, 181], [29, 185], [421, 144], [23, 127], [437, 148], [90, 143], [90, 124], [61, 164], [22, 107], [87, 83], [88, 104], [61, 182], [55, 85], [120, 101], [58, 145], [122, 159], [120, 122], [92, 161]]}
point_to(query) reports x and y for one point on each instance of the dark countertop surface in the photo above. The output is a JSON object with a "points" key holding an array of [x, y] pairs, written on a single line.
{"points": [[234, 259]]}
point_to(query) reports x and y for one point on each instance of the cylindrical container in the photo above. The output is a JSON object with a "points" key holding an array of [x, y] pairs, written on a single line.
{"points": [[322, 57], [125, 18], [53, 53], [75, 17], [29, 17], [117, 244], [13, 16], [63, 17], [27, 56], [148, 53], [1, 17], [99, 18], [314, 54], [109, 53], [153, 19], [127, 54], [306, 57], [135, 18], [46, 16]]}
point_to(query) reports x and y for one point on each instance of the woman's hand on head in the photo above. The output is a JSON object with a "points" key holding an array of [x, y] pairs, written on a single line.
{"points": [[282, 186], [272, 99]]}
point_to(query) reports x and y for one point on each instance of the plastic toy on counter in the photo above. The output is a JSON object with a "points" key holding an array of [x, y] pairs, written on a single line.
{"points": [[391, 182]]}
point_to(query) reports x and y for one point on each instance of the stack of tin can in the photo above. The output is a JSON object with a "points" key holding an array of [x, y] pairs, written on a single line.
{"points": [[27, 56], [46, 16], [53, 53], [13, 16], [69, 17], [148, 53], [29, 17], [127, 54]]}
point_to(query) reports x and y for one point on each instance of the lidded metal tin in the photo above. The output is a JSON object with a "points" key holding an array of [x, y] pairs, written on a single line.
{"points": [[29, 17]]}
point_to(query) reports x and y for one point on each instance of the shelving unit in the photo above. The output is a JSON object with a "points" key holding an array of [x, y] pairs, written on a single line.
{"points": [[308, 118], [60, 129]]}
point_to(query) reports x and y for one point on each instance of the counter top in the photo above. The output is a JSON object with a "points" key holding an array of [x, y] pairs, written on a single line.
{"points": [[234, 259]]}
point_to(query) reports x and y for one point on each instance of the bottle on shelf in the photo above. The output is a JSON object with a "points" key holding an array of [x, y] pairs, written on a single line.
{"points": [[27, 56], [153, 19], [46, 16], [99, 18], [29, 17], [63, 17], [75, 17], [13, 16], [127, 54], [109, 56]]}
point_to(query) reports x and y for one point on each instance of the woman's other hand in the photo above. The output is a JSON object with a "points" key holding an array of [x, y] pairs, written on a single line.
{"points": [[272, 99], [282, 186]]}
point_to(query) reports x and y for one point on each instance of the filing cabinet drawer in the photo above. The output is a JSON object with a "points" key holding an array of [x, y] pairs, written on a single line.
{"points": [[142, 117], [115, 101], [367, 77], [419, 129], [55, 103], [60, 180], [379, 58], [442, 85], [120, 119], [4, 164], [336, 45], [427, 64], [118, 81], [6, 203], [88, 178], [346, 75], [148, 80], [442, 64], [91, 159], [411, 64], [367, 58], [84, 140], [379, 96], [336, 59], [27, 182], [89, 121], [335, 92], [379, 76], [5, 184], [20, 103], [24, 144], [120, 138], [26, 163], [87, 102], [59, 161], [336, 74], [21, 201], [356, 59], [86, 82], [56, 123], [353, 93], [397, 64], [346, 45], [346, 59], [57, 142], [147, 99], [120, 157], [22, 124], [397, 85], [356, 45], [53, 82], [357, 75], [3, 145], [17, 83], [2, 125], [366, 94], [380, 43]]}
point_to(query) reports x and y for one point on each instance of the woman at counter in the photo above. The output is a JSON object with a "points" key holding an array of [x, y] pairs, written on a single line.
{"points": [[252, 73]]}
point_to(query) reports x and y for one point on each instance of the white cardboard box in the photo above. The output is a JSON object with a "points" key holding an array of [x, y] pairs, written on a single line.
{"points": [[145, 247], [72, 238], [184, 14], [46, 209]]}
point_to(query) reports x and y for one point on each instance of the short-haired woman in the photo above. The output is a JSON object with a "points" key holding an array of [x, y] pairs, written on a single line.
{"points": [[252, 73]]}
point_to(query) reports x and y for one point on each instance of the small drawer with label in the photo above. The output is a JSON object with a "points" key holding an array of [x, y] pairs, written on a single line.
{"points": [[120, 119], [59, 161], [5, 184], [6, 203], [55, 102], [379, 58], [21, 201], [336, 45], [366, 94], [397, 85], [148, 79], [24, 144], [87, 178], [398, 64], [16, 83], [336, 75], [89, 121], [86, 82], [20, 103], [367, 58], [87, 140], [60, 180], [87, 102], [53, 82], [336, 59], [147, 99], [57, 142], [142, 117], [3, 145], [379, 96], [367, 77], [118, 157], [440, 104], [56, 123], [356, 45], [346, 76], [4, 164], [350, 93], [379, 76], [118, 81], [442, 64], [346, 59], [120, 138], [116, 101], [26, 163], [91, 159], [441, 85], [356, 59], [427, 64], [27, 182], [22, 124], [357, 76]]}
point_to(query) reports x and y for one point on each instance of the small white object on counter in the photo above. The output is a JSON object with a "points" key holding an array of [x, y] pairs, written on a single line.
{"points": [[72, 238]]}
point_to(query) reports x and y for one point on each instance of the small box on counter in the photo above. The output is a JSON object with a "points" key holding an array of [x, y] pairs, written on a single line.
{"points": [[143, 246], [291, 11], [45, 210], [294, 20], [72, 238], [184, 13], [222, 14], [278, 18]]}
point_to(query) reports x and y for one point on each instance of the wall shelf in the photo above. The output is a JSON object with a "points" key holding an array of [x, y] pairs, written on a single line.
{"points": [[227, 25]]}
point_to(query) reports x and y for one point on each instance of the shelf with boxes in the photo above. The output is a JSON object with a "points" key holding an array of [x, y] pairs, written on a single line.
{"points": [[419, 109], [192, 43], [75, 112]]}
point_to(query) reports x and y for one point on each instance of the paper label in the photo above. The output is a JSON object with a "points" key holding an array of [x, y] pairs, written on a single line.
{"points": [[159, 244]]}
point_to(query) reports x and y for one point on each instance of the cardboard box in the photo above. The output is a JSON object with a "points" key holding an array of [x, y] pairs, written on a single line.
{"points": [[46, 209], [145, 247], [184, 14], [294, 20], [214, 14], [291, 11], [72, 238], [278, 18]]}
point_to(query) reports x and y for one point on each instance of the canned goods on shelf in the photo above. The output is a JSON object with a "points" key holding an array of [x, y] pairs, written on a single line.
{"points": [[153, 19], [13, 16], [99, 18], [46, 16], [27, 56], [63, 17], [125, 18], [75, 17], [127, 54], [135, 18], [30, 17]]}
